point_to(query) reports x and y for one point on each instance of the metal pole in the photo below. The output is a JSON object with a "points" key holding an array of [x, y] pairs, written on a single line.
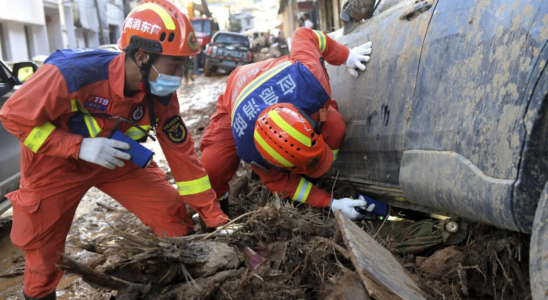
{"points": [[206, 9], [63, 23], [291, 17], [101, 40]]}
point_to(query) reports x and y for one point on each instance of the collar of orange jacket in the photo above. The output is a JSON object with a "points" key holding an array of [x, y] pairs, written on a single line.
{"points": [[117, 80]]}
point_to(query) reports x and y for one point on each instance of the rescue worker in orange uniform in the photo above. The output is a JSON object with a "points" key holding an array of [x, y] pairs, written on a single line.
{"points": [[278, 116], [63, 116]]}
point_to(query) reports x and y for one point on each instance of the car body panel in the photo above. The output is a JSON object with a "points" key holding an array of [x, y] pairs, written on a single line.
{"points": [[451, 133]]}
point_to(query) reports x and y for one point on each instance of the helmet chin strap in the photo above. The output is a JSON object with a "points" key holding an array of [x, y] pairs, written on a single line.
{"points": [[145, 87]]}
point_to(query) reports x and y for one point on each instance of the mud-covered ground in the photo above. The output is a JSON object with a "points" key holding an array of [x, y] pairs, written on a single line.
{"points": [[307, 258]]}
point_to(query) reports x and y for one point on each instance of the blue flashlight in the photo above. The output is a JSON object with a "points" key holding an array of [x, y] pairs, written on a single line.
{"points": [[140, 155]]}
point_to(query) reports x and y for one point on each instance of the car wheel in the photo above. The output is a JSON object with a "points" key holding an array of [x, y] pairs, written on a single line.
{"points": [[207, 69], [538, 255]]}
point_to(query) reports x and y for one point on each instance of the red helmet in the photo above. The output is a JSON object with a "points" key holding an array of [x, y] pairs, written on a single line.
{"points": [[289, 139], [158, 26]]}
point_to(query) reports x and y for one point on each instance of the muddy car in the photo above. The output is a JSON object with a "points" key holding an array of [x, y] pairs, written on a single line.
{"points": [[227, 51], [451, 115], [9, 145]]}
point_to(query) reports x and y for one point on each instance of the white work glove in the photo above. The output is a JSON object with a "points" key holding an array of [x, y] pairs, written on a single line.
{"points": [[103, 152], [357, 57], [347, 207]]}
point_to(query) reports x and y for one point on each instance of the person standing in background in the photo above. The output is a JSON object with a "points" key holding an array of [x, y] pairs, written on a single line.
{"points": [[307, 23], [300, 21], [189, 68]]}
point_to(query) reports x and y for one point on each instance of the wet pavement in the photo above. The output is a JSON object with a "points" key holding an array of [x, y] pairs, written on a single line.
{"points": [[197, 100]]}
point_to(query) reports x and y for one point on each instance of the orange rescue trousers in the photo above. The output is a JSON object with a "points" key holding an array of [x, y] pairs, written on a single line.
{"points": [[42, 233]]}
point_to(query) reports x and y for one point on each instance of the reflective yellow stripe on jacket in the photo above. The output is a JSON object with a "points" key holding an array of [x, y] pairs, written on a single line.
{"points": [[256, 83], [38, 136], [193, 186], [321, 40], [91, 124], [137, 134], [301, 194]]}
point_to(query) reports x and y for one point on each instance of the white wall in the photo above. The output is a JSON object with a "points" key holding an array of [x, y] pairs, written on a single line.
{"points": [[88, 14], [25, 11], [41, 43], [55, 37], [115, 16], [69, 25], [245, 26], [115, 13], [80, 41], [93, 39], [17, 43]]}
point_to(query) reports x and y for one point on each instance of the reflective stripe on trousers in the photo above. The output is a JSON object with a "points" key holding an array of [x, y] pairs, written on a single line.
{"points": [[193, 186]]}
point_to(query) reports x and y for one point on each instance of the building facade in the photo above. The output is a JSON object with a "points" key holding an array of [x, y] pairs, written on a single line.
{"points": [[30, 28], [325, 14]]}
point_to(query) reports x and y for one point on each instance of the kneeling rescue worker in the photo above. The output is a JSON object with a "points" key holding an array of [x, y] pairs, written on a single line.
{"points": [[63, 116], [278, 116]]}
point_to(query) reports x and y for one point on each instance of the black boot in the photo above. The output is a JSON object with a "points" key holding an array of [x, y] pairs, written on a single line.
{"points": [[224, 206], [51, 296]]}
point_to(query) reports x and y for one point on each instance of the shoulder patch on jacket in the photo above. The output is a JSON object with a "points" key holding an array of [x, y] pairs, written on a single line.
{"points": [[175, 129], [81, 67]]}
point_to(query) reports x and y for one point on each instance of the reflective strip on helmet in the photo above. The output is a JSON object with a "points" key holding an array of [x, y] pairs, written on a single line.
{"points": [[301, 194], [38, 136], [91, 124], [193, 186], [321, 40], [253, 85], [335, 154], [276, 118], [225, 196], [271, 151], [164, 15], [135, 134]]}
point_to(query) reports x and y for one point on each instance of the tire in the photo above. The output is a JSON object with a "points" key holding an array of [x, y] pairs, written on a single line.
{"points": [[538, 255], [207, 69]]}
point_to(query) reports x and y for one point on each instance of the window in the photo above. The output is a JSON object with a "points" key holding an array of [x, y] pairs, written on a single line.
{"points": [[232, 39], [202, 26], [113, 33]]}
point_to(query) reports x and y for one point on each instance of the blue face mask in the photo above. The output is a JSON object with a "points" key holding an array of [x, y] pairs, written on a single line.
{"points": [[164, 84]]}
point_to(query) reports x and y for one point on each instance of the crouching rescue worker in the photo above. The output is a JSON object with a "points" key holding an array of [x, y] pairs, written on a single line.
{"points": [[63, 116], [278, 116]]}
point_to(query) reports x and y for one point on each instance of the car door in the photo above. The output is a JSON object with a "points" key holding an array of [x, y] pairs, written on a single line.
{"points": [[377, 105], [476, 139], [9, 145]]}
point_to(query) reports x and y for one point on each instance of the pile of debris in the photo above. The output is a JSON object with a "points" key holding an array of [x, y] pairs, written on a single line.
{"points": [[288, 252]]}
